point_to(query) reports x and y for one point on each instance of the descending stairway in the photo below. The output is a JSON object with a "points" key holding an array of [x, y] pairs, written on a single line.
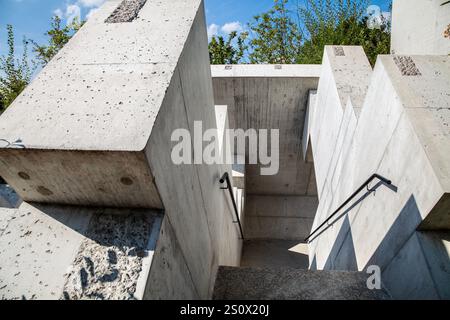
{"points": [[251, 283]]}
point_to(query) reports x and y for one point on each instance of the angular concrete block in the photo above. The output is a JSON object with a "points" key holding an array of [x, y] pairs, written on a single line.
{"points": [[81, 127]]}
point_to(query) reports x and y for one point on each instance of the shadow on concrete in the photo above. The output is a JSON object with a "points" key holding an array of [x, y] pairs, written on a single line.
{"points": [[275, 253], [342, 256], [411, 268], [355, 203], [122, 228], [398, 234]]}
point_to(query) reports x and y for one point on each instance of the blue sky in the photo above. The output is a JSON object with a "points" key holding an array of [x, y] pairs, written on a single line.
{"points": [[31, 18]]}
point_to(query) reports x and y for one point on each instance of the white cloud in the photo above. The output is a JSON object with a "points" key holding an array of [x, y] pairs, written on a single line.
{"points": [[58, 12], [224, 30], [73, 11], [91, 3], [90, 13], [213, 30], [231, 26]]}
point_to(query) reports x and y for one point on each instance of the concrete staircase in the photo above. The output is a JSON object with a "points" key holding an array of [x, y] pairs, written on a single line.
{"points": [[251, 283]]}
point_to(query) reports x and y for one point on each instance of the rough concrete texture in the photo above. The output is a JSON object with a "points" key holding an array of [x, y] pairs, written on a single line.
{"points": [[418, 27], [81, 177], [106, 98], [109, 260], [401, 131], [292, 284], [44, 246], [272, 97], [406, 66], [102, 137], [200, 213], [263, 97], [127, 11]]}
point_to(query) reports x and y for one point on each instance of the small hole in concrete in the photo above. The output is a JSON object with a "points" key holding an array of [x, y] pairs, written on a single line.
{"points": [[44, 191], [24, 175], [126, 181]]}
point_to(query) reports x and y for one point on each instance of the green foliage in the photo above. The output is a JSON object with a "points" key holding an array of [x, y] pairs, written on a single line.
{"points": [[340, 23], [224, 52], [275, 36], [15, 74], [58, 37]]}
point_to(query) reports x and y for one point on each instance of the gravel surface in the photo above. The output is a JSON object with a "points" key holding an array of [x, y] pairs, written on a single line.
{"points": [[127, 11], [406, 66], [109, 260]]}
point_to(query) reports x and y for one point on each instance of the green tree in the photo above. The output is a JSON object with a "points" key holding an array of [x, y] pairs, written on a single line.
{"points": [[340, 22], [225, 52], [58, 37], [275, 36], [15, 74]]}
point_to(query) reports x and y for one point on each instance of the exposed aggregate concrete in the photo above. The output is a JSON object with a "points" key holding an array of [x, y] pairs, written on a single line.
{"points": [[109, 260], [127, 11], [406, 66]]}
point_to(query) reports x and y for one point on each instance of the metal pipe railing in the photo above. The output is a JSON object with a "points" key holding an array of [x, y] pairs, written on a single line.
{"points": [[386, 181], [226, 178]]}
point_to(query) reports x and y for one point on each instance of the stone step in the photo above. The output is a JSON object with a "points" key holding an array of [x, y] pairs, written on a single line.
{"points": [[250, 283]]}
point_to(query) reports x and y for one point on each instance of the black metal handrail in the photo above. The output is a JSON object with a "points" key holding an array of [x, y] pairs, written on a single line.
{"points": [[226, 178], [375, 175]]}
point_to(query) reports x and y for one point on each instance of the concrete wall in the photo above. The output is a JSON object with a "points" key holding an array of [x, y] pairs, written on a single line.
{"points": [[102, 136], [264, 97], [401, 134], [280, 206], [200, 213], [418, 27], [279, 217]]}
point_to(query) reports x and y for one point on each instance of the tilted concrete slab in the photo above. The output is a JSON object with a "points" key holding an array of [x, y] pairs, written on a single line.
{"points": [[86, 119], [402, 134]]}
